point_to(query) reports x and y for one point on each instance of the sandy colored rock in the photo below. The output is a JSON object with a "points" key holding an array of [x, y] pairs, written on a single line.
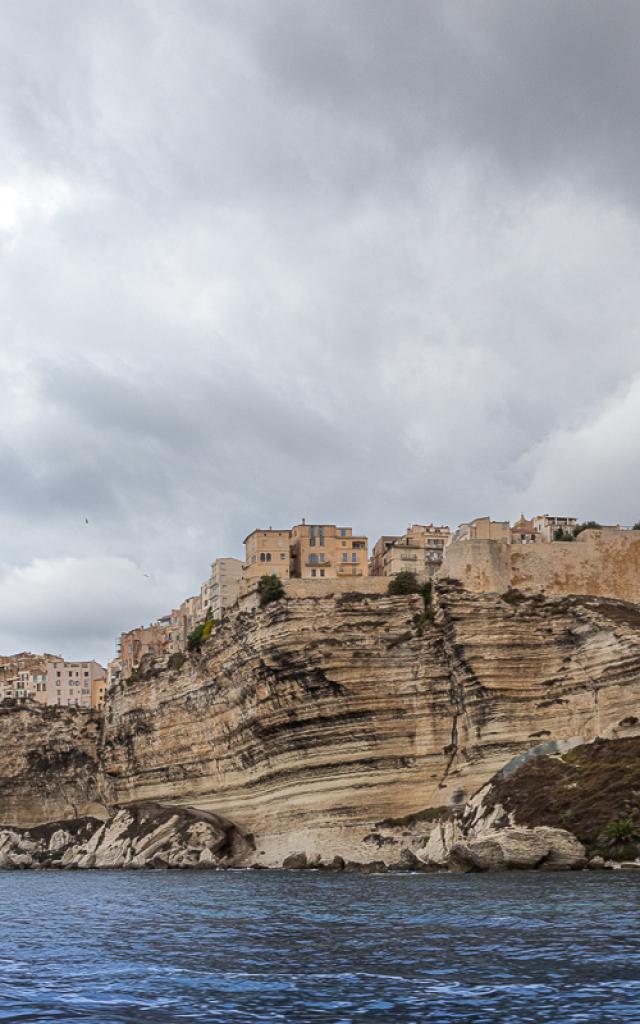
{"points": [[310, 721]]}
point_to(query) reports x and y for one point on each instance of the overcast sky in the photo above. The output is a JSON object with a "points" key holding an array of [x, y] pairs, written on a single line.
{"points": [[363, 261]]}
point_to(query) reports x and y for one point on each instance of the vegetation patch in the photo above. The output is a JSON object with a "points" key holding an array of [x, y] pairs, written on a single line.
{"points": [[592, 791], [270, 589]]}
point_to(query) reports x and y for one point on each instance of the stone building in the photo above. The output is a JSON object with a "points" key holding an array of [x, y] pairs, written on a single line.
{"points": [[326, 551], [98, 687], [24, 676], [484, 528], [420, 550], [154, 640], [72, 683], [222, 589], [49, 679], [545, 526], [522, 531], [266, 554]]}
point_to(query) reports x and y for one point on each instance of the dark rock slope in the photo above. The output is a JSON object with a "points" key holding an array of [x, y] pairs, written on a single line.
{"points": [[48, 763]]}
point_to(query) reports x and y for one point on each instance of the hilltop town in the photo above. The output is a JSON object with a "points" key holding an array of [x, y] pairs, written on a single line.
{"points": [[484, 554]]}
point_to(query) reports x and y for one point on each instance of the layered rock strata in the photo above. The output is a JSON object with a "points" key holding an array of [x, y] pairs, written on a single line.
{"points": [[329, 726], [48, 763], [141, 836]]}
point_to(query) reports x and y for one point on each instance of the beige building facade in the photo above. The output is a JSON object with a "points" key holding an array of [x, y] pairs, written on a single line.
{"points": [[545, 526], [484, 528], [154, 640], [222, 589], [71, 683], [420, 550], [266, 554], [49, 679], [326, 551]]}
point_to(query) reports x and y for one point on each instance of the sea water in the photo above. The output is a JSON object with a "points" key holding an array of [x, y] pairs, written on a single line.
{"points": [[262, 946]]}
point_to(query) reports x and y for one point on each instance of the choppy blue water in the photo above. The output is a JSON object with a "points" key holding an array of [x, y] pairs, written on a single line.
{"points": [[302, 947]]}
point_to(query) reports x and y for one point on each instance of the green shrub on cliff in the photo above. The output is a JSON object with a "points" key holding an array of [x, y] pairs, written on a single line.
{"points": [[202, 632], [621, 830], [560, 534], [270, 589], [403, 583]]}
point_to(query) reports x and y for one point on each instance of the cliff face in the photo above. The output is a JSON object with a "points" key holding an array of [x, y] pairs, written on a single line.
{"points": [[48, 763], [312, 722]]}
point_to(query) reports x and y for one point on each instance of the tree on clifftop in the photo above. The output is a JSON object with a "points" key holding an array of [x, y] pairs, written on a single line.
{"points": [[403, 583], [270, 589]]}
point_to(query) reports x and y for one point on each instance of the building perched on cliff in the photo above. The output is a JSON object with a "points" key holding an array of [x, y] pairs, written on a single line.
{"points": [[326, 551], [420, 550], [221, 590], [306, 551], [49, 679], [266, 553]]}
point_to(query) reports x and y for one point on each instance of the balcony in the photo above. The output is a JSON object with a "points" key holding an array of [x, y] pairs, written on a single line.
{"points": [[316, 564]]}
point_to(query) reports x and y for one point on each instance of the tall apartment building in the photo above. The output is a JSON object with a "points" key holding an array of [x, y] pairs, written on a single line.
{"points": [[49, 679], [73, 682], [326, 550], [266, 554], [420, 550], [222, 588]]}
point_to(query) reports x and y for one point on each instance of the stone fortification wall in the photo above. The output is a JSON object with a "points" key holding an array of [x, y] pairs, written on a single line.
{"points": [[599, 564], [319, 588]]}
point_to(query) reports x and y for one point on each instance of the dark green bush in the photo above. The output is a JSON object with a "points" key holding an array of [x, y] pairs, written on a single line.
{"points": [[202, 632], [270, 589], [620, 830], [403, 583]]}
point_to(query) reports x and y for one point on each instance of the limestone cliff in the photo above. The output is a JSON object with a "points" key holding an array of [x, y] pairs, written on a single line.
{"points": [[329, 724], [48, 763]]}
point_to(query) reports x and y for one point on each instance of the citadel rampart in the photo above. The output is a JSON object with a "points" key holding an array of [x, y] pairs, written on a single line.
{"points": [[318, 588], [600, 563]]}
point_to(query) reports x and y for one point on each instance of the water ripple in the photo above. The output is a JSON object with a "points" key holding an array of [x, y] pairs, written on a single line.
{"points": [[296, 948]]}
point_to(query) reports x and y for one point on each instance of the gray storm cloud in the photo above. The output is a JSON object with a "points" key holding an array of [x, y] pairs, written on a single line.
{"points": [[365, 262]]}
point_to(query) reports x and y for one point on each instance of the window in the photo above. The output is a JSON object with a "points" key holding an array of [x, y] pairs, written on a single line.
{"points": [[313, 559], [282, 555], [268, 556], [313, 572], [354, 557], [322, 572], [343, 533], [322, 557], [345, 556]]}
